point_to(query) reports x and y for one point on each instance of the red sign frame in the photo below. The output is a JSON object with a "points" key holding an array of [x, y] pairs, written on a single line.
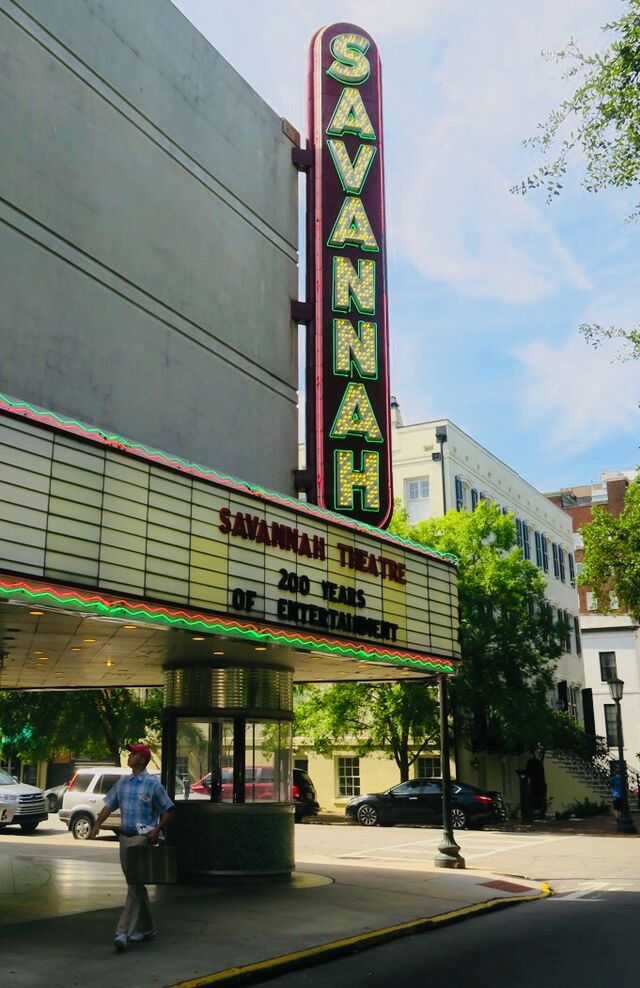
{"points": [[348, 417]]}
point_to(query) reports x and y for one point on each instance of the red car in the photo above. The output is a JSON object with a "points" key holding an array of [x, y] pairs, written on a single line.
{"points": [[258, 784]]}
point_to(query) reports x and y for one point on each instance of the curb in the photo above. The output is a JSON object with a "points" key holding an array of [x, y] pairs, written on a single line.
{"points": [[284, 964]]}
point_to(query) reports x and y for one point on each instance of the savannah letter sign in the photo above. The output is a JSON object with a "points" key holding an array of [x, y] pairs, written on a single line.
{"points": [[348, 430]]}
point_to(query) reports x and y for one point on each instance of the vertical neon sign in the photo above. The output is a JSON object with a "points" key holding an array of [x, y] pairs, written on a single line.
{"points": [[348, 436]]}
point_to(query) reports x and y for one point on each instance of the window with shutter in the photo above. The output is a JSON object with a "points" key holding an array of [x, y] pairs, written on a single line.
{"points": [[556, 564], [561, 566], [474, 499], [545, 553], [459, 495], [572, 570], [611, 725], [538, 539], [519, 532], [576, 631], [526, 542], [608, 666], [563, 695]]}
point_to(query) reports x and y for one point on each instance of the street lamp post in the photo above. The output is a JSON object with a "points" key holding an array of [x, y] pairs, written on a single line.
{"points": [[448, 855], [441, 438], [625, 823]]}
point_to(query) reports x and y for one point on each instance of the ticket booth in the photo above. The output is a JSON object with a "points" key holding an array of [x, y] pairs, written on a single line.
{"points": [[229, 731]]}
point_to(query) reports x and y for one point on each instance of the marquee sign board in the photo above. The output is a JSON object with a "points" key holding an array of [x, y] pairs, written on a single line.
{"points": [[348, 436], [89, 509]]}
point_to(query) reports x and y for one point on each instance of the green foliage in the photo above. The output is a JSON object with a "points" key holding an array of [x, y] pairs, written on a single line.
{"points": [[398, 719], [612, 555], [93, 723], [566, 734], [598, 335], [509, 642], [601, 123], [584, 808], [603, 115]]}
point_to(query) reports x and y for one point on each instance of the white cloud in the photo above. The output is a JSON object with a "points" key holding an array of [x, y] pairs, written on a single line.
{"points": [[575, 396], [487, 91], [464, 83]]}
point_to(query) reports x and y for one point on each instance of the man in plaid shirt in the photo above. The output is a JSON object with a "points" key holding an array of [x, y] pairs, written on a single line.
{"points": [[145, 810]]}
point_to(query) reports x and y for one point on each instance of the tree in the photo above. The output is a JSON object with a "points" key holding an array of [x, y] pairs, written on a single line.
{"points": [[602, 118], [612, 555], [34, 725], [604, 111], [398, 719], [510, 643]]}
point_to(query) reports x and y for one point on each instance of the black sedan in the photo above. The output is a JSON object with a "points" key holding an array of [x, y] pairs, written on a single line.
{"points": [[420, 801]]}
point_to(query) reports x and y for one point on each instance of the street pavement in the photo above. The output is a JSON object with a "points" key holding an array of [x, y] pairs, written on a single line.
{"points": [[588, 939], [60, 898]]}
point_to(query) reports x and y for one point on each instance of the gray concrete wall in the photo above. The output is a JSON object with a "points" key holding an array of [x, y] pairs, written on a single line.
{"points": [[148, 235]]}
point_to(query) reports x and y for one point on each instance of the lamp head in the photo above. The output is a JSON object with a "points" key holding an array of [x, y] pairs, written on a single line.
{"points": [[616, 687], [441, 433]]}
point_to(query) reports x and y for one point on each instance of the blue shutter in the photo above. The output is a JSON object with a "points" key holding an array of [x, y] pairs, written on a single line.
{"points": [[538, 538], [556, 564], [545, 553], [572, 569], [459, 495], [519, 532], [561, 563], [474, 499], [526, 544]]}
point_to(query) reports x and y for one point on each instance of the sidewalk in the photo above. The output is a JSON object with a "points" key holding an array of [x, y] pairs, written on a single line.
{"points": [[224, 934], [602, 824]]}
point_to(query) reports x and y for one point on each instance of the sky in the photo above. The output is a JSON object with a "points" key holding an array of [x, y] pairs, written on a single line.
{"points": [[486, 289]]}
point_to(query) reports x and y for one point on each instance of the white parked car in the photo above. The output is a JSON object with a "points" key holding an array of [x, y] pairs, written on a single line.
{"points": [[84, 798], [7, 810], [27, 805]]}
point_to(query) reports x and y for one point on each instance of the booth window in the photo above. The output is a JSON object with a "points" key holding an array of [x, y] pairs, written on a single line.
{"points": [[235, 760], [348, 776]]}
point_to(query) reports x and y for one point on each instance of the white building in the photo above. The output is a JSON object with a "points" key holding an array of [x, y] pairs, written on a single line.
{"points": [[437, 467], [610, 642]]}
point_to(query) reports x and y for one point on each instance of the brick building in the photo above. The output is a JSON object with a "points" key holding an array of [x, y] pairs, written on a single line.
{"points": [[610, 642]]}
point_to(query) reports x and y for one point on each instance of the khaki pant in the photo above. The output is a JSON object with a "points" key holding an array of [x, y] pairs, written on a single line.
{"points": [[135, 917]]}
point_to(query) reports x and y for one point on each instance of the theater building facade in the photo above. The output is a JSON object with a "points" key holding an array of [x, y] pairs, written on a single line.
{"points": [[148, 244]]}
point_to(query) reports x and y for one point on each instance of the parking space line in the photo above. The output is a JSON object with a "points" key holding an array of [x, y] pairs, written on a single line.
{"points": [[500, 850]]}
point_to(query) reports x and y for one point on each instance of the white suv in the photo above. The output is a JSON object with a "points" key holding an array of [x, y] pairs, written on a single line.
{"points": [[27, 803], [84, 798]]}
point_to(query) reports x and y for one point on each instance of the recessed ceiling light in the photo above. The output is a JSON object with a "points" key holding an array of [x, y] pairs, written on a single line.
{"points": [[198, 638], [129, 627], [109, 663], [219, 652], [36, 613], [88, 641], [39, 652], [76, 648], [260, 648], [43, 658]]}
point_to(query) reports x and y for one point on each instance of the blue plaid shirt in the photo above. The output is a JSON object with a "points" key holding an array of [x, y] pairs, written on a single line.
{"points": [[141, 799]]}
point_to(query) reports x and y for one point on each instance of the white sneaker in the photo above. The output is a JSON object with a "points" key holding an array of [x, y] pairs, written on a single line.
{"points": [[120, 942], [138, 937]]}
